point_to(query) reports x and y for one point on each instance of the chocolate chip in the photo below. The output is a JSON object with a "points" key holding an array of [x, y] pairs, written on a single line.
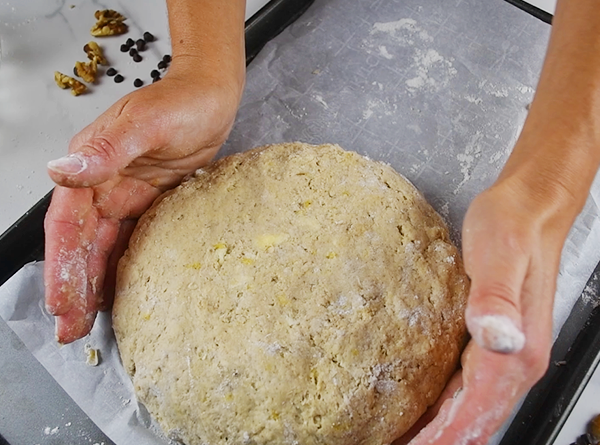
{"points": [[124, 48], [584, 439], [162, 65], [129, 42], [119, 78], [132, 52], [167, 58], [137, 58], [148, 37], [154, 74], [138, 83], [140, 44], [75, 71], [111, 72]]}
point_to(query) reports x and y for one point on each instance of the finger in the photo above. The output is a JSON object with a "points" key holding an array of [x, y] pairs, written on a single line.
{"points": [[493, 384], [451, 390], [106, 236], [69, 227], [495, 262], [120, 247], [124, 197], [78, 321], [435, 428], [112, 143]]}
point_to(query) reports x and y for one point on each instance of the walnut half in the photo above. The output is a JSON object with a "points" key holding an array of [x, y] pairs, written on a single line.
{"points": [[87, 71], [94, 52], [64, 81], [109, 23], [109, 14]]}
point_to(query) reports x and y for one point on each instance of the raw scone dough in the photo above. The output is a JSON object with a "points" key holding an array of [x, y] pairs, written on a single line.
{"points": [[292, 294]]}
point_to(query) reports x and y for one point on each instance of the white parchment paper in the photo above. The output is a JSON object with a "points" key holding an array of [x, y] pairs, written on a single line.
{"points": [[439, 90]]}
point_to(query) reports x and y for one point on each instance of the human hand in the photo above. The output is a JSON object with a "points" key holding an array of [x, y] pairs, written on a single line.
{"points": [[513, 235], [116, 167], [512, 241]]}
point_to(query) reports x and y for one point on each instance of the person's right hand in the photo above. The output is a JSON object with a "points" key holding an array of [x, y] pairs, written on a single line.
{"points": [[117, 166]]}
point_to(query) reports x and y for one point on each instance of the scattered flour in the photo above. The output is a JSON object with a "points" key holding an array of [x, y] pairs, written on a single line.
{"points": [[589, 295], [424, 62], [524, 89], [385, 107], [384, 52], [406, 32], [474, 100], [503, 92], [498, 155], [415, 168], [320, 99], [416, 83], [402, 31], [51, 431], [494, 90], [467, 159]]}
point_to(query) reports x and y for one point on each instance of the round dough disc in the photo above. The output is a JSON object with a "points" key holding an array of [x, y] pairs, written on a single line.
{"points": [[292, 294]]}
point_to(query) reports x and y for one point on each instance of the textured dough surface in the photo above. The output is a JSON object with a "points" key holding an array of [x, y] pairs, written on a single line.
{"points": [[292, 294]]}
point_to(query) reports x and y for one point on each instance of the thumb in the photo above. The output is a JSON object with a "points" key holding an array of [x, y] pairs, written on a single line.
{"points": [[101, 155], [497, 265]]}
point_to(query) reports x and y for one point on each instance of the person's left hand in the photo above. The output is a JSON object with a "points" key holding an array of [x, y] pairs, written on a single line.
{"points": [[512, 241]]}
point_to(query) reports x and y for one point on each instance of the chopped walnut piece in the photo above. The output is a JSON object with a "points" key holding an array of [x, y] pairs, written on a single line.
{"points": [[64, 81], [109, 29], [87, 71], [109, 14], [94, 52], [109, 23]]}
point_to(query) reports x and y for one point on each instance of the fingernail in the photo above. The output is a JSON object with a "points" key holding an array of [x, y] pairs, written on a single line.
{"points": [[497, 333], [70, 165]]}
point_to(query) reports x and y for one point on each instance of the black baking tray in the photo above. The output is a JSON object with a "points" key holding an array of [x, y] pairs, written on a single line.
{"points": [[533, 10], [575, 357], [576, 352]]}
